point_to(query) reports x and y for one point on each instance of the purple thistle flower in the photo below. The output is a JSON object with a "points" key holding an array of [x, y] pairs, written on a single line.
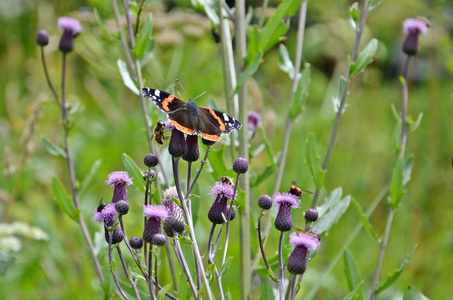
{"points": [[168, 126], [284, 202], [223, 189], [42, 38], [193, 150], [177, 146], [155, 214], [158, 212], [254, 120], [297, 261], [71, 28], [413, 28], [106, 215], [70, 24], [119, 180]]}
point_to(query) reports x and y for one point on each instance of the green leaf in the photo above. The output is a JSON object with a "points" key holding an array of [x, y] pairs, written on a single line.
{"points": [[357, 293], [249, 71], [402, 80], [266, 290], [53, 149], [397, 136], [143, 39], [330, 218], [301, 93], [271, 275], [351, 270], [127, 80], [89, 176], [397, 189], [314, 162], [105, 33], [408, 169], [331, 200], [366, 223], [391, 278], [272, 32], [337, 100], [133, 169], [209, 7], [226, 266], [364, 59], [285, 64], [374, 4], [163, 291], [413, 125], [76, 112], [413, 294], [63, 200], [354, 14], [6, 260]]}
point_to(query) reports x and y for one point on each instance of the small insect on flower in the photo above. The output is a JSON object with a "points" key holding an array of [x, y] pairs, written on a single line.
{"points": [[101, 205], [159, 131], [227, 180], [297, 191]]}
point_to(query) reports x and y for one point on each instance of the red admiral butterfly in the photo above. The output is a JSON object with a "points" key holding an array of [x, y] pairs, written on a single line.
{"points": [[192, 119]]}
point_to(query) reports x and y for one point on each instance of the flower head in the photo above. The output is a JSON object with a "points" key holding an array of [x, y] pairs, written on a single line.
{"points": [[222, 189], [106, 215], [304, 240], [119, 178], [265, 202], [240, 165], [254, 120], [415, 25], [71, 28], [158, 212], [193, 150], [150, 160], [42, 38], [286, 199], [168, 126], [70, 24], [413, 28], [177, 146]]}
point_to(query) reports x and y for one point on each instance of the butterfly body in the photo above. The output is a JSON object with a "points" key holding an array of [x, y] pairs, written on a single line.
{"points": [[192, 119]]}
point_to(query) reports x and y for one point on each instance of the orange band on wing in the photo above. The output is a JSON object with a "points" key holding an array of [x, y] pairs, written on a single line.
{"points": [[166, 101], [221, 124], [210, 137], [182, 128]]}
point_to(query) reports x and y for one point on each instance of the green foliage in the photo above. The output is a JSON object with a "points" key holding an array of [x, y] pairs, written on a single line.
{"points": [[413, 294], [331, 210], [53, 149], [351, 270], [366, 223], [63, 200], [135, 171], [364, 59], [314, 162]]}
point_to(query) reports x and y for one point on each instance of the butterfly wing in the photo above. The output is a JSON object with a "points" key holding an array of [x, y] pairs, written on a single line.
{"points": [[166, 102], [214, 123]]}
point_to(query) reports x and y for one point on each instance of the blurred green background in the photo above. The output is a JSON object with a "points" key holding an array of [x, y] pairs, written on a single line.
{"points": [[112, 124]]}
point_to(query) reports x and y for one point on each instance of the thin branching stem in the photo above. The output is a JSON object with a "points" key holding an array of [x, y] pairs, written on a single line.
{"points": [[293, 287], [123, 263], [333, 135], [401, 155], [150, 272], [184, 266], [203, 162], [230, 210], [191, 228], [46, 72], [112, 269]]}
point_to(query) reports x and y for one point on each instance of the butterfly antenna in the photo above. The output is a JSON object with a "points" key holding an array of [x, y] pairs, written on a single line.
{"points": [[199, 95], [179, 82]]}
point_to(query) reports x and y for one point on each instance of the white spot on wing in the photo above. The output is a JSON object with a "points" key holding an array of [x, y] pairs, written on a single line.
{"points": [[157, 93], [225, 117]]}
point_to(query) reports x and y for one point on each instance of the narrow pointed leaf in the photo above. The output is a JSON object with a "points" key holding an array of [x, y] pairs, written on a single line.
{"points": [[357, 293], [127, 80], [330, 201], [226, 266], [89, 177], [391, 278], [332, 216], [133, 169], [63, 200], [314, 162], [366, 223], [364, 59], [53, 149], [397, 189], [249, 71], [408, 170], [351, 270], [143, 39], [285, 64], [301, 93], [413, 294]]}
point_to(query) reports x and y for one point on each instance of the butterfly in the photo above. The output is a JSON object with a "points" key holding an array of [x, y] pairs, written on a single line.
{"points": [[189, 118]]}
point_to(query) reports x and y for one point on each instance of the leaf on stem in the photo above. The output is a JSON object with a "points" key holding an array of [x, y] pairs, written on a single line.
{"points": [[397, 187], [143, 41], [366, 223], [258, 179], [374, 4], [332, 216], [301, 93], [133, 169], [364, 59], [351, 270], [104, 31], [249, 71], [354, 15], [357, 293], [163, 291], [413, 294], [314, 162], [397, 136], [127, 80], [209, 7], [285, 64], [63, 200], [226, 266], [53, 149], [391, 278], [89, 176]]}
